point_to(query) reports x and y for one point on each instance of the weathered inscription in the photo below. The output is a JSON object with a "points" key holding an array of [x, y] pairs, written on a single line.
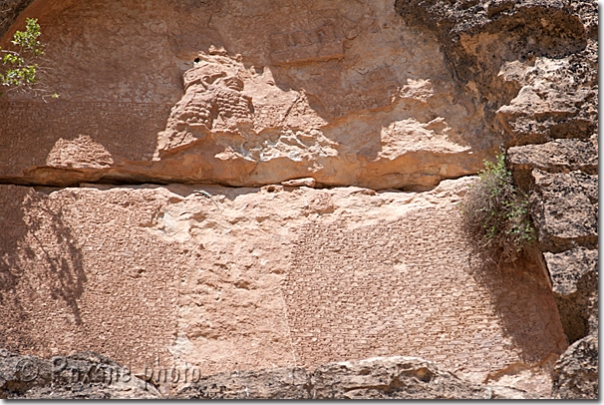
{"points": [[406, 288], [314, 45], [127, 130]]}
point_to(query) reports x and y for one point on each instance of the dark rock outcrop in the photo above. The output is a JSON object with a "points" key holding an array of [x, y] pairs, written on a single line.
{"points": [[576, 372], [89, 375], [565, 209], [85, 375], [9, 11], [575, 284]]}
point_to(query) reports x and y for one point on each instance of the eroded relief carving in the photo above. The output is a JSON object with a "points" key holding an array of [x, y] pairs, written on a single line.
{"points": [[323, 40], [322, 89], [217, 114], [216, 99], [213, 101], [306, 46]]}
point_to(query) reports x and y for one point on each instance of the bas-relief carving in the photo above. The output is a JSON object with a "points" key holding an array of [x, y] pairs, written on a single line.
{"points": [[216, 100], [314, 89], [213, 101]]}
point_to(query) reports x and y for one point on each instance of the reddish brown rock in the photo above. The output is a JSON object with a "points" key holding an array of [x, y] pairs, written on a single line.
{"points": [[333, 92], [376, 94], [241, 279]]}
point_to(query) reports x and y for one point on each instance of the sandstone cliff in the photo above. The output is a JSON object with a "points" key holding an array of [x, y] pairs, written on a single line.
{"points": [[267, 193]]}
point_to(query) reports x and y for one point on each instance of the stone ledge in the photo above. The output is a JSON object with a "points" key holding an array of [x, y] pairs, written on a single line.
{"points": [[376, 378]]}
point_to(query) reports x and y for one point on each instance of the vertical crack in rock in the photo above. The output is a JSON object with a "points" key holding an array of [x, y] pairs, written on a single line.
{"points": [[356, 98]]}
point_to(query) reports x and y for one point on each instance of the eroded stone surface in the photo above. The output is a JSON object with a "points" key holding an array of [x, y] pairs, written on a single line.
{"points": [[565, 209], [575, 284], [399, 378], [533, 62], [568, 268], [272, 383], [241, 279], [576, 373], [559, 156], [87, 376], [338, 91], [322, 93]]}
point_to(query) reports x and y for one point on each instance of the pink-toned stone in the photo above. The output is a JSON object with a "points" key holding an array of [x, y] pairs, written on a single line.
{"points": [[240, 279]]}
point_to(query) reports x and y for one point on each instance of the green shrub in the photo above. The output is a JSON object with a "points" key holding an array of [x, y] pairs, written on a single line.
{"points": [[497, 213], [19, 66]]}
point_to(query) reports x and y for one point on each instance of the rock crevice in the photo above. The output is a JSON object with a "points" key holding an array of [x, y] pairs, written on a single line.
{"points": [[236, 112]]}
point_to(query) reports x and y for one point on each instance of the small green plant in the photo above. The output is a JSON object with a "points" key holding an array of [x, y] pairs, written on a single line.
{"points": [[497, 213], [19, 66]]}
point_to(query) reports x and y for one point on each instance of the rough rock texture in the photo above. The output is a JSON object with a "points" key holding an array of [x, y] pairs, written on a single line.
{"points": [[240, 279], [575, 284], [399, 377], [9, 11], [89, 375], [534, 65], [576, 373], [240, 94], [272, 383], [85, 375], [294, 95], [565, 209], [561, 176], [375, 378]]}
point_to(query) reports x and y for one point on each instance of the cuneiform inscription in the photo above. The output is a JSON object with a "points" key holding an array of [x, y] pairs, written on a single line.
{"points": [[405, 288], [128, 130], [318, 44]]}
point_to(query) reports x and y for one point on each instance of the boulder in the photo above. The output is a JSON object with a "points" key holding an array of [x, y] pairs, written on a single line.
{"points": [[576, 372]]}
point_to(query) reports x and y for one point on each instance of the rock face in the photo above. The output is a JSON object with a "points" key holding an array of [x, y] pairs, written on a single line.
{"points": [[575, 283], [533, 63], [343, 93], [535, 66], [297, 169], [85, 375], [91, 376], [375, 378], [9, 11], [576, 373], [228, 279], [561, 176]]}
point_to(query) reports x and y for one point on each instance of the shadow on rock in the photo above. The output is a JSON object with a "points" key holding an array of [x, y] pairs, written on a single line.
{"points": [[38, 255], [521, 294]]}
